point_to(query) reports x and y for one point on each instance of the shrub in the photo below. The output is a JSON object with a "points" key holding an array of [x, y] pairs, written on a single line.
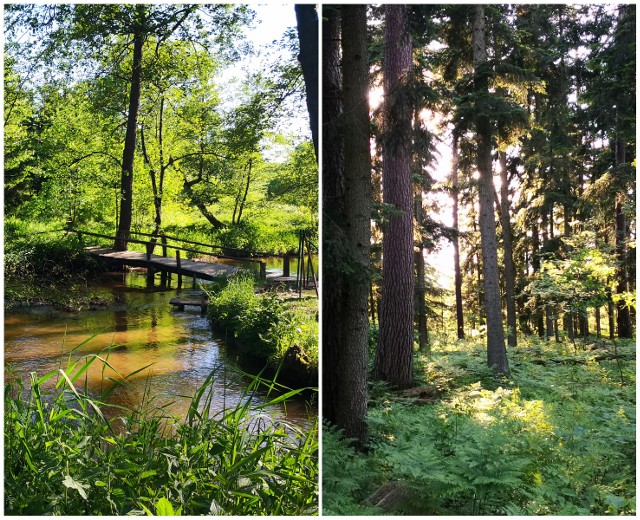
{"points": [[265, 322], [51, 259]]}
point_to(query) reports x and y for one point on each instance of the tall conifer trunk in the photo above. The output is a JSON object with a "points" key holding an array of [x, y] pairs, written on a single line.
{"points": [[456, 238], [507, 239], [332, 214], [624, 319], [394, 356], [357, 225], [496, 352]]}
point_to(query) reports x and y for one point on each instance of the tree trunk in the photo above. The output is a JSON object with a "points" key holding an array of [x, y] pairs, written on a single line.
{"points": [[188, 189], [535, 265], [354, 353], [307, 21], [456, 239], [496, 351], [128, 155], [624, 319], [332, 217], [394, 356], [507, 240], [421, 308], [611, 317], [243, 200]]}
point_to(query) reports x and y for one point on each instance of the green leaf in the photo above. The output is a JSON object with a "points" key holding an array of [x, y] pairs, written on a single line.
{"points": [[74, 484], [164, 508]]}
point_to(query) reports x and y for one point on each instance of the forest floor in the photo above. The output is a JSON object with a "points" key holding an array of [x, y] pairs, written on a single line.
{"points": [[556, 438]]}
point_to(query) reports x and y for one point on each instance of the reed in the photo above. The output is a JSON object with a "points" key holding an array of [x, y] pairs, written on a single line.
{"points": [[64, 456]]}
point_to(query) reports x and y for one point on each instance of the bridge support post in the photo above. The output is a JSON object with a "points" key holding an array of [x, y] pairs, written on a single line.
{"points": [[286, 266], [150, 274], [163, 239], [263, 270]]}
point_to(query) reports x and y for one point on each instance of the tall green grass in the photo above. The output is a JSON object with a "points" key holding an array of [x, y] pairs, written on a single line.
{"points": [[64, 456]]}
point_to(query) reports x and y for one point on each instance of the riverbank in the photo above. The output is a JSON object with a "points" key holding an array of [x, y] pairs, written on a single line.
{"points": [[118, 437], [276, 329]]}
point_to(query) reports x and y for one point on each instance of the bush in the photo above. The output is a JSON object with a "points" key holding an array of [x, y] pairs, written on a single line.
{"points": [[47, 258], [264, 322]]}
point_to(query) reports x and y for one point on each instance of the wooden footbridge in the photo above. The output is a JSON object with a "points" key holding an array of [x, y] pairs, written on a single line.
{"points": [[207, 262]]}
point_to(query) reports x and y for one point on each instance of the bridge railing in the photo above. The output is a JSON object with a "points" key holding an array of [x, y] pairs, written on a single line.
{"points": [[150, 246]]}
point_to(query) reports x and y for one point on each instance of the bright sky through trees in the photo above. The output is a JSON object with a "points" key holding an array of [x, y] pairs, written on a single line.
{"points": [[268, 28]]}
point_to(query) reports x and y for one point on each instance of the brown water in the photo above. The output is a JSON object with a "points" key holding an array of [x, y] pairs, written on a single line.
{"points": [[142, 329]]}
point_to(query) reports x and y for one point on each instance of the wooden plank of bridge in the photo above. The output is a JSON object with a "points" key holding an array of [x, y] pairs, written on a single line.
{"points": [[204, 270], [180, 303]]}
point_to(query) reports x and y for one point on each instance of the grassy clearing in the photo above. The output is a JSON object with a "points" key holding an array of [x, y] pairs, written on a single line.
{"points": [[270, 324], [556, 439], [63, 457]]}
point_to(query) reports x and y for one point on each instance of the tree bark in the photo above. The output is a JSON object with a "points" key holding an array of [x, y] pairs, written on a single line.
{"points": [[332, 217], [394, 356], [354, 353], [507, 240], [456, 239], [623, 317], [188, 189], [243, 200], [421, 308], [307, 22], [496, 352], [538, 316], [128, 155]]}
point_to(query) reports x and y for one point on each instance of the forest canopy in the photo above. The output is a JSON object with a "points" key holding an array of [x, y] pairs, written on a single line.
{"points": [[166, 115]]}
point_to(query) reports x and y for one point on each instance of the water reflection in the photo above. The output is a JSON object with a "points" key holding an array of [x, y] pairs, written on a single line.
{"points": [[138, 329]]}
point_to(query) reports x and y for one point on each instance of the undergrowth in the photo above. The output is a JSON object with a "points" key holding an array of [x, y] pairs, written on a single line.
{"points": [[46, 267], [268, 323], [64, 457], [556, 439]]}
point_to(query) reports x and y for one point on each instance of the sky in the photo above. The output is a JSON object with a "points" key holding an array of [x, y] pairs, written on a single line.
{"points": [[273, 20], [270, 23]]}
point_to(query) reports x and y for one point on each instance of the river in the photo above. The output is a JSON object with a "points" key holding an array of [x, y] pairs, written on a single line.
{"points": [[142, 329]]}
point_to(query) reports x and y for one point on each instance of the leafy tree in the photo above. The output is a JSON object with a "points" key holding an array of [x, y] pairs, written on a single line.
{"points": [[579, 282], [78, 30]]}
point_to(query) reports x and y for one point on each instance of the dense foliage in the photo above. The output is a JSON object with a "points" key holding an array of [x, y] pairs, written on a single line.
{"points": [[557, 438], [217, 157], [266, 322], [63, 456], [45, 266]]}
